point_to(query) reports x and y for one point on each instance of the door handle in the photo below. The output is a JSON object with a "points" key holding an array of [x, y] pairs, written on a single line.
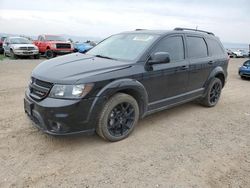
{"points": [[184, 67]]}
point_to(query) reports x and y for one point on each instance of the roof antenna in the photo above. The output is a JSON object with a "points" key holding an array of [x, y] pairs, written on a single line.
{"points": [[196, 28]]}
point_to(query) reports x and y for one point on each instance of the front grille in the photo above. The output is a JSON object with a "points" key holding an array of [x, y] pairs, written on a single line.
{"points": [[63, 46], [39, 89], [27, 48]]}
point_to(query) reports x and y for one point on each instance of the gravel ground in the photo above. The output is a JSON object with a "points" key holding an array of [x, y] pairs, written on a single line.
{"points": [[186, 146]]}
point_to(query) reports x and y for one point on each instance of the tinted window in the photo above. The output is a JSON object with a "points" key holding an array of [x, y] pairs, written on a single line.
{"points": [[197, 47], [172, 45], [214, 47]]}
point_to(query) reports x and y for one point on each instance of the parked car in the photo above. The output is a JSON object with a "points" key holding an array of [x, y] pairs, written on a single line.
{"points": [[124, 78], [53, 45], [244, 70], [239, 53], [82, 47], [19, 46], [1, 44], [230, 53], [244, 53]]}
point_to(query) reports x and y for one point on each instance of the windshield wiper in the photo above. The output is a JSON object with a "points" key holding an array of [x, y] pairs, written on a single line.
{"points": [[106, 57]]}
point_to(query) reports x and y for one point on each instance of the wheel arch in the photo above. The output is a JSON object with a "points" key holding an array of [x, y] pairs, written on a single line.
{"points": [[128, 86], [217, 72]]}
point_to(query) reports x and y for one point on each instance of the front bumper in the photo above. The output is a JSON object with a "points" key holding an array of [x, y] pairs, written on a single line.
{"points": [[61, 116], [245, 73], [62, 51], [26, 52]]}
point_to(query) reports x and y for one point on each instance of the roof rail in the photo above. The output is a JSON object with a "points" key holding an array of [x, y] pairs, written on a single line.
{"points": [[187, 29], [139, 29]]}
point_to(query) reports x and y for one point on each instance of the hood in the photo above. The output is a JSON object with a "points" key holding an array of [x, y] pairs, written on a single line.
{"points": [[23, 45], [68, 69]]}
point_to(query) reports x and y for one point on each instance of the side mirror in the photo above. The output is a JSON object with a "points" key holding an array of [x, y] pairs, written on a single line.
{"points": [[158, 58]]}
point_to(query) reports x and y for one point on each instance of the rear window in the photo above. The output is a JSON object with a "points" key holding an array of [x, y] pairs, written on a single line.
{"points": [[214, 47], [197, 47]]}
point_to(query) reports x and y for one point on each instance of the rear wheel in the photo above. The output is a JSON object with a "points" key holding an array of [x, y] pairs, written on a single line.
{"points": [[49, 54], [118, 117], [213, 94]]}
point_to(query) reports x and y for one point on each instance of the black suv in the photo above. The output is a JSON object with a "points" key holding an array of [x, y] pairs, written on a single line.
{"points": [[126, 77]]}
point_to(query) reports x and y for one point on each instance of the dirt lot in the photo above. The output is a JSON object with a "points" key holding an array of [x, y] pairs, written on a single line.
{"points": [[187, 146]]}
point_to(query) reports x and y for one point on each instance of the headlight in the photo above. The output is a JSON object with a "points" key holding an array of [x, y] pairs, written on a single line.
{"points": [[53, 45], [16, 48], [70, 91]]}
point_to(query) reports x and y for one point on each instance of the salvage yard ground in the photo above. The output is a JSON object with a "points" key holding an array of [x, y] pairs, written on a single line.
{"points": [[187, 146]]}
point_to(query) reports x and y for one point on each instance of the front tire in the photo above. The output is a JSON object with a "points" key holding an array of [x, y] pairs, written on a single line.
{"points": [[49, 54], [12, 55], [118, 117], [213, 94], [37, 56]]}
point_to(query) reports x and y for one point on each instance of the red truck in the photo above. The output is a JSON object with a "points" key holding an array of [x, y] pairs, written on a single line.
{"points": [[53, 45]]}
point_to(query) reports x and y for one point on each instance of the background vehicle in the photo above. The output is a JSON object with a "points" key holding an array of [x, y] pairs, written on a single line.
{"points": [[239, 53], [1, 44], [52, 45], [230, 53], [19, 46], [244, 70], [82, 47], [126, 77]]}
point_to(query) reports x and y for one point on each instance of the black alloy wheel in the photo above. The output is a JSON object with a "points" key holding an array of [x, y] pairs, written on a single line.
{"points": [[118, 117], [215, 93], [121, 119]]}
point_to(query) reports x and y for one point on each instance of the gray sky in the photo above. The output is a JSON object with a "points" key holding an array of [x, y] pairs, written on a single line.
{"points": [[230, 20]]}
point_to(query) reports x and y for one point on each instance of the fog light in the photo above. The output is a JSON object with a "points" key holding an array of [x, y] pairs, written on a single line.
{"points": [[56, 126]]}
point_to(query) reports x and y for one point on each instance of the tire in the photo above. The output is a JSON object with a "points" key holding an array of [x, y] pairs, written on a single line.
{"points": [[4, 54], [118, 117], [243, 77], [49, 54], [213, 93], [37, 56], [12, 55]]}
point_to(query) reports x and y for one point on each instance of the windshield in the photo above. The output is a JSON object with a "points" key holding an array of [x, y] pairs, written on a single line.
{"points": [[123, 46], [247, 64], [19, 40], [54, 38]]}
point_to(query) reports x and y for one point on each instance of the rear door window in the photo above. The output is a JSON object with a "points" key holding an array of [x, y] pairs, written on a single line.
{"points": [[197, 47]]}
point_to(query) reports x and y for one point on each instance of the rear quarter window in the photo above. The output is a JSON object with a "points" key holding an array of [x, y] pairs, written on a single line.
{"points": [[197, 47], [214, 47]]}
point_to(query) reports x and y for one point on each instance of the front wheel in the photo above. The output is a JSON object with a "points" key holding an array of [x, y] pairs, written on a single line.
{"points": [[118, 117], [37, 56], [213, 93], [12, 55], [49, 54]]}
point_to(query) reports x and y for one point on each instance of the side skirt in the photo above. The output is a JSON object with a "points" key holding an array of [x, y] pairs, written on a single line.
{"points": [[174, 101]]}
